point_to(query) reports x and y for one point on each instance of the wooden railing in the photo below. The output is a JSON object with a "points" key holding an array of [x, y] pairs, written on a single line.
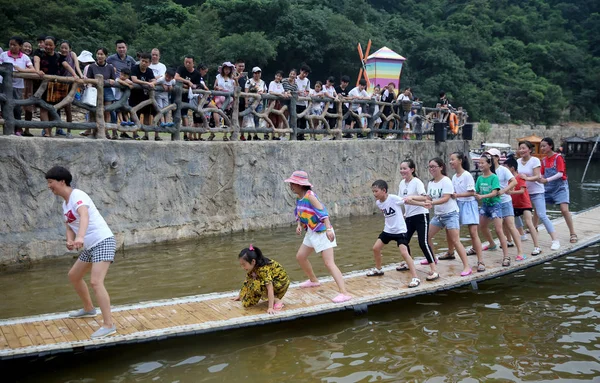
{"points": [[229, 111]]}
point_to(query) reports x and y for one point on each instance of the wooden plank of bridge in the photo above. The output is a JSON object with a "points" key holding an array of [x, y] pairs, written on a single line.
{"points": [[47, 333]]}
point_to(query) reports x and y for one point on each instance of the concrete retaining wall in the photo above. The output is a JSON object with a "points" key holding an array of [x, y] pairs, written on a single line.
{"points": [[152, 192]]}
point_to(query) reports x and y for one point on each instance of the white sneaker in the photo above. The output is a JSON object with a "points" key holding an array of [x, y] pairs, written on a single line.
{"points": [[555, 245], [524, 238]]}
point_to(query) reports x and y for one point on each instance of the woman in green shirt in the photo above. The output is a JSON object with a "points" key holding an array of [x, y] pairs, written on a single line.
{"points": [[487, 188]]}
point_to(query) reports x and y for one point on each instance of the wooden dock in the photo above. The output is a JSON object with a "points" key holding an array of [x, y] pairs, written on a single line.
{"points": [[150, 321]]}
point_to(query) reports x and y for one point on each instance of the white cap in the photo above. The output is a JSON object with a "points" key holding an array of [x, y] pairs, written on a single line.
{"points": [[493, 152], [86, 57], [256, 69]]}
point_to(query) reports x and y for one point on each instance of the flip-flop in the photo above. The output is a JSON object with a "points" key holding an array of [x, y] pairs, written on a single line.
{"points": [[278, 306], [465, 273], [415, 282], [402, 267]]}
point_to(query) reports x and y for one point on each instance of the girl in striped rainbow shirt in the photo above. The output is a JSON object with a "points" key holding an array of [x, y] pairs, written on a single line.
{"points": [[312, 216]]}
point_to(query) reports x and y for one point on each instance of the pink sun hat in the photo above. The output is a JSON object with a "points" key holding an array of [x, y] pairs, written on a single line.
{"points": [[299, 177]]}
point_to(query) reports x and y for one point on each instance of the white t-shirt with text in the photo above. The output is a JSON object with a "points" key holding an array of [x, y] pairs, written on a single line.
{"points": [[97, 229], [392, 210], [436, 190], [414, 188]]}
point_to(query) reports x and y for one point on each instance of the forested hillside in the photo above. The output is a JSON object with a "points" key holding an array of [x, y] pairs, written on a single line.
{"points": [[520, 61]]}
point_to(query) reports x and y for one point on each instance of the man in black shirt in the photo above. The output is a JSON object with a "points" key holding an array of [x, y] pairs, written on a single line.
{"points": [[343, 91], [141, 74], [241, 77], [190, 77]]}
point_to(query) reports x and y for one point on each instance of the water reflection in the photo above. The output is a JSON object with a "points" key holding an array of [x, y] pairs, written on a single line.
{"points": [[537, 325]]}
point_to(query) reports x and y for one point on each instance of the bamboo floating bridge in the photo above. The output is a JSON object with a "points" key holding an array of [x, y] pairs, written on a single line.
{"points": [[47, 334]]}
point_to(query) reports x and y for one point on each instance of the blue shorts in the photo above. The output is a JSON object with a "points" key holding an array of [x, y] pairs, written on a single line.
{"points": [[449, 221], [506, 209], [468, 212], [491, 211]]}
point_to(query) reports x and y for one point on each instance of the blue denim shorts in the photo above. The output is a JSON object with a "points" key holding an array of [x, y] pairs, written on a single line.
{"points": [[468, 212], [557, 195], [449, 221], [491, 211], [506, 209]]}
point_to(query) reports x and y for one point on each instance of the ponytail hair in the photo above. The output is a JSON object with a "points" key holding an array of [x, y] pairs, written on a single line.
{"points": [[464, 160], [251, 253], [411, 165]]}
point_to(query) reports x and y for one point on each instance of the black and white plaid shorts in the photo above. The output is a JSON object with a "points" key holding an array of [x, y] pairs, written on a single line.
{"points": [[103, 251]]}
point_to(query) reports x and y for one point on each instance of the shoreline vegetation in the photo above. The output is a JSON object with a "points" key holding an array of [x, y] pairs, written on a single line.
{"points": [[532, 62]]}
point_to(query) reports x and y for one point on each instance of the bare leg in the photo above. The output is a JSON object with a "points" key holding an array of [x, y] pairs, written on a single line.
{"points": [[409, 261], [76, 274], [476, 242], [455, 238], [302, 257], [334, 270], [99, 271], [528, 218], [508, 224], [485, 230], [564, 209], [501, 237], [377, 247]]}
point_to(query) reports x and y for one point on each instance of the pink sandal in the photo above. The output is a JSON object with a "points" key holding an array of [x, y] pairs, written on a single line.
{"points": [[341, 298], [309, 283], [278, 306]]}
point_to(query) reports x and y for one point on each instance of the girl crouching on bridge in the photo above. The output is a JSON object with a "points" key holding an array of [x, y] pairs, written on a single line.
{"points": [[265, 279], [312, 216]]}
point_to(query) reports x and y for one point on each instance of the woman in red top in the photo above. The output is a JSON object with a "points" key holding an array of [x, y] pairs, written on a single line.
{"points": [[554, 178]]}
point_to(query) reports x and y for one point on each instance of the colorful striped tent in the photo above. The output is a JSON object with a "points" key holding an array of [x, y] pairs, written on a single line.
{"points": [[383, 67]]}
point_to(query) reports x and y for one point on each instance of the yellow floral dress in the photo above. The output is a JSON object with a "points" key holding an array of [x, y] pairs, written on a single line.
{"points": [[255, 285]]}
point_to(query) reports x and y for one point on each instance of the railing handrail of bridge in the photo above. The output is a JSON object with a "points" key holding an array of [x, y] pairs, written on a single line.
{"points": [[229, 111]]}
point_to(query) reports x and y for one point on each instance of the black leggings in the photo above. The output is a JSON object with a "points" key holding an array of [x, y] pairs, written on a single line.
{"points": [[420, 224]]}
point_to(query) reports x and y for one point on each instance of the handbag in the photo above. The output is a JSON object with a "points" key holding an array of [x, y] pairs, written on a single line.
{"points": [[90, 96]]}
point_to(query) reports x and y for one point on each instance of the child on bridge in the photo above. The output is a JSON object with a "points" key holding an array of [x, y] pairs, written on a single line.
{"points": [[265, 279], [394, 230], [312, 216]]}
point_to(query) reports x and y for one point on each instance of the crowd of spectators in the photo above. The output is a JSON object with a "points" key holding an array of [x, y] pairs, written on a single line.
{"points": [[122, 70]]}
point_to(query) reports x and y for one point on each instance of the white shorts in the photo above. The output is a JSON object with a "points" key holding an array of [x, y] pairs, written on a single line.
{"points": [[318, 241]]}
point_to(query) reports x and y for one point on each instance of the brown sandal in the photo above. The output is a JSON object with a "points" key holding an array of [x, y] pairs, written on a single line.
{"points": [[574, 238], [447, 257], [506, 261], [480, 267]]}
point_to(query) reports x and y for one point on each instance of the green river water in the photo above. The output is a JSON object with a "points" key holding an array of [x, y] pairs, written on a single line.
{"points": [[542, 324]]}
